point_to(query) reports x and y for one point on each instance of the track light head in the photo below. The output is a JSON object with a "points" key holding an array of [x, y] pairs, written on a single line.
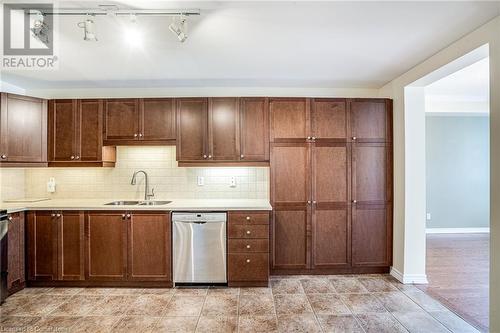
{"points": [[88, 27], [179, 28]]}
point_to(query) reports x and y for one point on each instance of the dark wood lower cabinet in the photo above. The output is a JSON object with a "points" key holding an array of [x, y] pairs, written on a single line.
{"points": [[70, 249], [42, 234], [15, 253]]}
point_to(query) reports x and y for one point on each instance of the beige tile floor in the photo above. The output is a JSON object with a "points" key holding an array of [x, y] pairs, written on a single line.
{"points": [[367, 303]]}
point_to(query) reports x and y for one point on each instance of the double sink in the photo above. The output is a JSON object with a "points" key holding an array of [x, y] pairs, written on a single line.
{"points": [[138, 203]]}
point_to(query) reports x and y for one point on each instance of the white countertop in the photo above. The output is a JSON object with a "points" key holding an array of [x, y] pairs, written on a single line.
{"points": [[175, 205]]}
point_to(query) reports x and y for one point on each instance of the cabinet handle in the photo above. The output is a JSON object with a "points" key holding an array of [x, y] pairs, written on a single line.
{"points": [[135, 135], [248, 246], [242, 156], [248, 232], [3, 157], [72, 157], [248, 260]]}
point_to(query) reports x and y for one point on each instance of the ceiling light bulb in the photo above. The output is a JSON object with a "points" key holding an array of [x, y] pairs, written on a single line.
{"points": [[179, 28], [132, 34], [89, 30]]}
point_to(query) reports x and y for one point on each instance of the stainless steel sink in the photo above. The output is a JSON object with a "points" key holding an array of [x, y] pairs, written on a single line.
{"points": [[122, 203], [154, 203]]}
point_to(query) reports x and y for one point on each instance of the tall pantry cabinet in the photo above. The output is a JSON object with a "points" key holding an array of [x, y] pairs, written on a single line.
{"points": [[331, 185]]}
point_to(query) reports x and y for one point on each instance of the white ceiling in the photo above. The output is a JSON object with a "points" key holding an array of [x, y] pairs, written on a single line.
{"points": [[465, 91], [252, 44]]}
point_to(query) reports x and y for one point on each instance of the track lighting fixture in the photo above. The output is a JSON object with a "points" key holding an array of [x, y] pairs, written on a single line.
{"points": [[179, 27], [88, 27], [40, 30]]}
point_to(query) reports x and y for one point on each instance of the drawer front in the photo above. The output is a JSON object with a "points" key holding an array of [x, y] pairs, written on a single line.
{"points": [[248, 267], [248, 231], [248, 218], [248, 246]]}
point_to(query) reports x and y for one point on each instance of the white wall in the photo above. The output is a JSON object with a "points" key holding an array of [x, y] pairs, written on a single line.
{"points": [[407, 212]]}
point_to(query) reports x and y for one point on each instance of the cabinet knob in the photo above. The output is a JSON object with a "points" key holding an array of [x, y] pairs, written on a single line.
{"points": [[77, 157], [141, 135], [248, 232], [135, 135], [3, 157], [314, 201], [248, 218], [58, 215], [314, 138], [9, 218], [123, 216], [309, 202], [204, 156], [248, 260], [128, 216], [354, 201], [242, 156], [354, 138], [209, 156], [248, 246], [308, 138], [72, 157]]}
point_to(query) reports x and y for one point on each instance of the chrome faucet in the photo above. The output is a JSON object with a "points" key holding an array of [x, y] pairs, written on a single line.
{"points": [[147, 195]]}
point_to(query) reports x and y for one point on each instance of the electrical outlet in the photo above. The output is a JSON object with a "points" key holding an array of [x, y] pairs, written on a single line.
{"points": [[51, 185], [232, 182], [201, 180], [428, 216]]}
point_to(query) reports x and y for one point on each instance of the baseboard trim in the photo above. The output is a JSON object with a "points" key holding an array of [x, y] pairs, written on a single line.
{"points": [[456, 230], [409, 278]]}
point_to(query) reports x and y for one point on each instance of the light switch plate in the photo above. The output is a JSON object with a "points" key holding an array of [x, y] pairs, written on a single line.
{"points": [[201, 180], [428, 216], [232, 182]]}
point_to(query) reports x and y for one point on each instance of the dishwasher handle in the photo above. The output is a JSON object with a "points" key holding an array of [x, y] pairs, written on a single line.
{"points": [[195, 222]]}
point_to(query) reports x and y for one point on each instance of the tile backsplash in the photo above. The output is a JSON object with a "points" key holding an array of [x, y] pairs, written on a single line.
{"points": [[167, 179]]}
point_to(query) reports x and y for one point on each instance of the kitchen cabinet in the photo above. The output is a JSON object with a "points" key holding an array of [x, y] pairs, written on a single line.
{"points": [[42, 241], [23, 131], [15, 253], [149, 244], [254, 129], [331, 186], [71, 245], [222, 131], [106, 246], [75, 134], [248, 248], [148, 121]]}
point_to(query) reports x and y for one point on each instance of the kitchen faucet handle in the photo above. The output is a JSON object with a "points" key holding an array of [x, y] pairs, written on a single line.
{"points": [[152, 192]]}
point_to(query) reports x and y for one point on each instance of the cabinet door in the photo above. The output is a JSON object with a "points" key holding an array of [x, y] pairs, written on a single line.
{"points": [[254, 129], [15, 252], [290, 173], [330, 215], [289, 237], [23, 136], [370, 176], [223, 128], [42, 246], [289, 119], [71, 259], [370, 120], [62, 130], [192, 117], [89, 135], [158, 119], [149, 247], [329, 119], [371, 235], [106, 246], [122, 119]]}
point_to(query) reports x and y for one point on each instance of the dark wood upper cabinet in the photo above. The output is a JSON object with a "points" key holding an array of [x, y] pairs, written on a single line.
{"points": [[42, 233], [121, 120], [289, 119], [106, 246], [75, 134], [370, 120], [23, 131], [149, 244], [71, 258], [254, 129], [329, 119], [223, 129], [192, 129], [15, 253], [157, 120]]}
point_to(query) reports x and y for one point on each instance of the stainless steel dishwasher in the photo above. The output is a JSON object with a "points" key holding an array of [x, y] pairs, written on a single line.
{"points": [[199, 247]]}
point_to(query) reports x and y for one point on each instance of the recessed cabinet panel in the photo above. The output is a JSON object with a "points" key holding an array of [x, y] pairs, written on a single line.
{"points": [[15, 252], [158, 119], [90, 130], [254, 129], [289, 119], [192, 129], [330, 173], [369, 168], [329, 119], [331, 237], [223, 129], [290, 238], [63, 129], [71, 246], [369, 120], [289, 173], [122, 119], [42, 236], [371, 235]]}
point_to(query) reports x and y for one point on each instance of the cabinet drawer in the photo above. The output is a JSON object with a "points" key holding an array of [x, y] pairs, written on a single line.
{"points": [[248, 246], [248, 218], [248, 231], [248, 267]]}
